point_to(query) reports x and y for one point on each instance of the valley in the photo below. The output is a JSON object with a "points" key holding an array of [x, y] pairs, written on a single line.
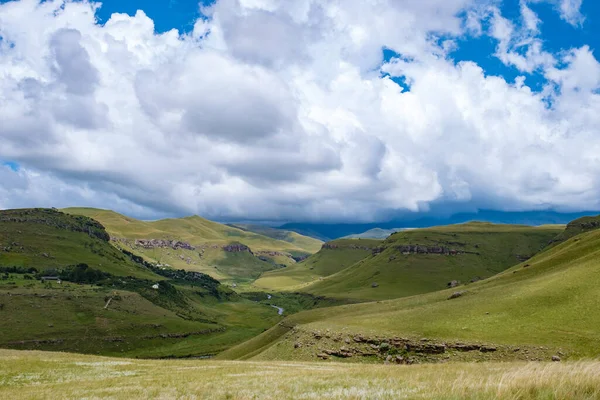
{"points": [[474, 292], [535, 310]]}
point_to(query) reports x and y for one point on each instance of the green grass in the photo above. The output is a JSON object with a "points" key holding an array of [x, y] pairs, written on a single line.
{"points": [[311, 245], [326, 262], [72, 317], [242, 267], [484, 250], [208, 238], [39, 375], [576, 227], [46, 239], [547, 301], [194, 229]]}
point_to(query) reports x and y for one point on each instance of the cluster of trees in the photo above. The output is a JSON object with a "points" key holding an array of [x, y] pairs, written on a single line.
{"points": [[82, 273], [18, 270]]}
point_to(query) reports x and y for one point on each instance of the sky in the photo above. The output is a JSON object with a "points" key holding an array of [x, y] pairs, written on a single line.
{"points": [[312, 110]]}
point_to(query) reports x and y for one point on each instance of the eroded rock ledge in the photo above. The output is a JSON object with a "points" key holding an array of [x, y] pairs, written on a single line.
{"points": [[401, 350]]}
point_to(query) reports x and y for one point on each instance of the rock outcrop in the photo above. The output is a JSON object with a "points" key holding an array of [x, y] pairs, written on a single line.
{"points": [[237, 248], [160, 243], [332, 246], [417, 249]]}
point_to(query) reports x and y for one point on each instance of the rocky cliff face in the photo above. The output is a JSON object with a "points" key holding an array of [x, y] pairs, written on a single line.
{"points": [[237, 248], [159, 243], [271, 254], [416, 249], [155, 243], [331, 246]]}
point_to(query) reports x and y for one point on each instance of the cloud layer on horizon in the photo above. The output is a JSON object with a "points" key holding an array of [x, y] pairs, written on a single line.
{"points": [[278, 110]]}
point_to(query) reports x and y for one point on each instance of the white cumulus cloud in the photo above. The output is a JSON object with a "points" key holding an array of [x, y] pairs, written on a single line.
{"points": [[280, 110]]}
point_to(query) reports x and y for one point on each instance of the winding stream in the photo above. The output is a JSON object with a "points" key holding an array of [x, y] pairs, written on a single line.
{"points": [[279, 309]]}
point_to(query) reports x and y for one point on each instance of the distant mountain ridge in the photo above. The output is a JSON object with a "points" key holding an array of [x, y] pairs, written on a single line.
{"points": [[375, 233], [327, 232]]}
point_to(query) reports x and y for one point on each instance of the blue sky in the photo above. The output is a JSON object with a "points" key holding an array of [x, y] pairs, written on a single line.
{"points": [[557, 35], [283, 111], [167, 14], [12, 165]]}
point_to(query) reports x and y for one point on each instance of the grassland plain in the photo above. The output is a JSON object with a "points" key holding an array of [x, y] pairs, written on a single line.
{"points": [[257, 254], [539, 308], [40, 375], [333, 257], [426, 260]]}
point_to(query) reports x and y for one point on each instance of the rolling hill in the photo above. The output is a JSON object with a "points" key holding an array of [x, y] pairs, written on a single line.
{"points": [[104, 301], [539, 309], [425, 260], [333, 257], [46, 239], [306, 243], [227, 253]]}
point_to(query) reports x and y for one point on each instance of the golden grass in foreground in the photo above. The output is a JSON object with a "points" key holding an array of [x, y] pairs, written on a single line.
{"points": [[35, 375]]}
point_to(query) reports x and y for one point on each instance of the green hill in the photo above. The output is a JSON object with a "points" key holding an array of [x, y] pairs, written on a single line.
{"points": [[333, 257], [534, 310], [108, 301], [425, 260], [46, 239], [307, 243], [227, 253], [576, 227]]}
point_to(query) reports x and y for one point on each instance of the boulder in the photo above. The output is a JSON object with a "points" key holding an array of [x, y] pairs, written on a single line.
{"points": [[456, 295], [452, 284], [556, 358], [374, 285]]}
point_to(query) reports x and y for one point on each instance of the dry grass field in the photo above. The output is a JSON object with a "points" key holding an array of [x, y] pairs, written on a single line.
{"points": [[41, 375]]}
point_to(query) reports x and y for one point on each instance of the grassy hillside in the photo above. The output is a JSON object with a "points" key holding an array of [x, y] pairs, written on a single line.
{"points": [[106, 302], [333, 257], [79, 318], [576, 227], [205, 245], [534, 310], [425, 260], [46, 239], [192, 229], [39, 375], [307, 243]]}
